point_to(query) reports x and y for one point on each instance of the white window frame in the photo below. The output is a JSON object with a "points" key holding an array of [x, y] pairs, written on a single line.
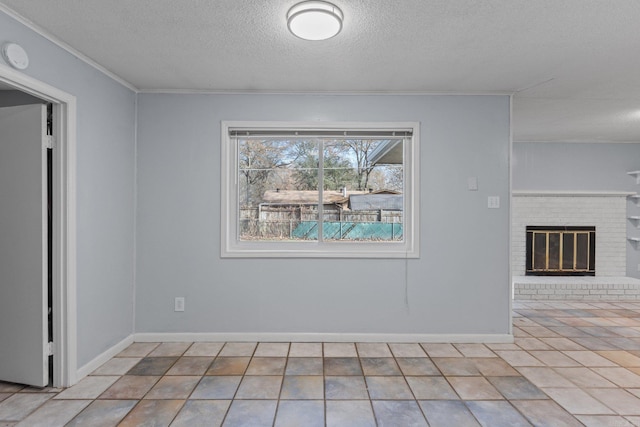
{"points": [[233, 247]]}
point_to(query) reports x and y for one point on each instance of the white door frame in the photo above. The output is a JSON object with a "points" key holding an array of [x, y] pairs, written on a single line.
{"points": [[64, 220]]}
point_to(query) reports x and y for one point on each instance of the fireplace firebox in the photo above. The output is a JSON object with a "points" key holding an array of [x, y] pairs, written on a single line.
{"points": [[561, 251]]}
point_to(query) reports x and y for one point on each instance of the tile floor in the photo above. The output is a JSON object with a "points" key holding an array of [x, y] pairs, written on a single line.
{"points": [[572, 364]]}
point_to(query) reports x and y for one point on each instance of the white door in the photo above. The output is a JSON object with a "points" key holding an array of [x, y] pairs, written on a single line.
{"points": [[23, 245]]}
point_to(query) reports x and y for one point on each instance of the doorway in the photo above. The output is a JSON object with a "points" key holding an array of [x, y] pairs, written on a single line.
{"points": [[63, 220]]}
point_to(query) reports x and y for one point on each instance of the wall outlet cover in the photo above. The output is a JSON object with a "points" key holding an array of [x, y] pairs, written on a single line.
{"points": [[493, 202]]}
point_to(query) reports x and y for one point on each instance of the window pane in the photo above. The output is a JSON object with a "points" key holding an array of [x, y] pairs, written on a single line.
{"points": [[363, 192], [278, 193], [279, 189]]}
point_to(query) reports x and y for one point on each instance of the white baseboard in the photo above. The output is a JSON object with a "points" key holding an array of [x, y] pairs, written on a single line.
{"points": [[103, 357], [320, 337]]}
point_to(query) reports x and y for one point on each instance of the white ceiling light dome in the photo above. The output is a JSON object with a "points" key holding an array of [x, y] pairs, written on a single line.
{"points": [[314, 20]]}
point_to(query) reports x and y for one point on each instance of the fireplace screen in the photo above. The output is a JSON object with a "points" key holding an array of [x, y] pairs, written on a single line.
{"points": [[561, 251]]}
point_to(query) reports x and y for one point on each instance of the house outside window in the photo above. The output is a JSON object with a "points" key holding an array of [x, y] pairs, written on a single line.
{"points": [[320, 190]]}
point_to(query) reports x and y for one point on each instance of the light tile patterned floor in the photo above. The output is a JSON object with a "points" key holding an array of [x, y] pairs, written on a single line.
{"points": [[572, 364]]}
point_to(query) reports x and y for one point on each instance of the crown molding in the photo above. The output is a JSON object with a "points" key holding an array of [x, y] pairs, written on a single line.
{"points": [[53, 39], [316, 93]]}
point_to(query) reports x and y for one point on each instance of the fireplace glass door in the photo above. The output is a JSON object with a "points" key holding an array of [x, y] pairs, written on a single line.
{"points": [[567, 251]]}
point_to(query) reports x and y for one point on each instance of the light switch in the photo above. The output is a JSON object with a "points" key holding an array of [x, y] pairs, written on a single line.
{"points": [[472, 183], [493, 202]]}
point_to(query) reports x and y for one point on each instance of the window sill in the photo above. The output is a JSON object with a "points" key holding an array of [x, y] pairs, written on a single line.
{"points": [[328, 250]]}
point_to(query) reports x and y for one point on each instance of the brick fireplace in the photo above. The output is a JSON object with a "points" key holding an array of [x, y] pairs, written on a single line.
{"points": [[607, 212], [548, 212]]}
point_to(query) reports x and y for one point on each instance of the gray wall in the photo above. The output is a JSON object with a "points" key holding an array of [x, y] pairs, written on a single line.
{"points": [[459, 285], [105, 188], [580, 167]]}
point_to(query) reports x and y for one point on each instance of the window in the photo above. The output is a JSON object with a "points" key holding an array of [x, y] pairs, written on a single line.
{"points": [[320, 190]]}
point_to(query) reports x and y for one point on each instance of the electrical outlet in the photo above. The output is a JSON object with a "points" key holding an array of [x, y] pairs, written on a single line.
{"points": [[179, 304], [638, 267]]}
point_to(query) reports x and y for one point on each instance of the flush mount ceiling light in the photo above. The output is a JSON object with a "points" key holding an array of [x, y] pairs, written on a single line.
{"points": [[314, 20]]}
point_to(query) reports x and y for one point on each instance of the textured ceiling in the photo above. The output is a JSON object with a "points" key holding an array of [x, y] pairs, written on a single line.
{"points": [[573, 64]]}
